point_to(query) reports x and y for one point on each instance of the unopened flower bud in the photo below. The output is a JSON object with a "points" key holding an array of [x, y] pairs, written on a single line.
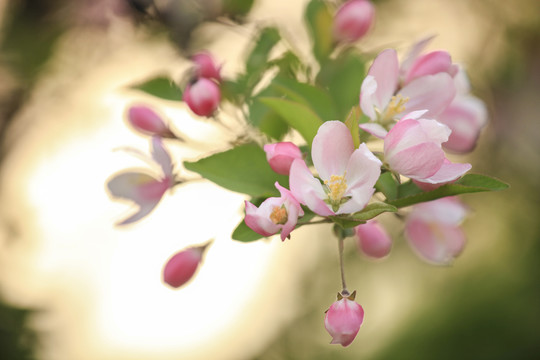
{"points": [[373, 240], [281, 155], [343, 320], [202, 97], [147, 121], [180, 268], [352, 20], [205, 66]]}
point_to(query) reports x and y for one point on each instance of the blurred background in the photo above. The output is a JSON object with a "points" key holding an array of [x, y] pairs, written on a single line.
{"points": [[75, 287]]}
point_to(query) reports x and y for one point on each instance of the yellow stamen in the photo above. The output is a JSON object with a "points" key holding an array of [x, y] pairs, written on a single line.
{"points": [[279, 215], [395, 106], [337, 186]]}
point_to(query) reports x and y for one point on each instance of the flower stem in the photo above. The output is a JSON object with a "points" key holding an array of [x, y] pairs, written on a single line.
{"points": [[344, 292]]}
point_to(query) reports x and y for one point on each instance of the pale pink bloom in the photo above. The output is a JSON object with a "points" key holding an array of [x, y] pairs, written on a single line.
{"points": [[372, 239], [413, 149], [433, 230], [348, 174], [142, 188], [352, 20], [147, 121], [205, 66], [343, 320], [465, 116], [383, 98], [180, 268], [274, 214], [281, 155], [202, 96]]}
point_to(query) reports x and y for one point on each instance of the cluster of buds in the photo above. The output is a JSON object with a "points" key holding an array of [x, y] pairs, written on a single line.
{"points": [[202, 94]]}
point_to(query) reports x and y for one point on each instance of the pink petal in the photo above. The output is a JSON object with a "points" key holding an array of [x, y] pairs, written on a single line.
{"points": [[331, 149], [429, 64], [432, 92], [413, 53], [308, 190], [448, 172], [417, 162], [373, 240], [374, 129], [161, 156]]}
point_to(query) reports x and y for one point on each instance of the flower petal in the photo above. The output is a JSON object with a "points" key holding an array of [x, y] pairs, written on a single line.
{"points": [[431, 92], [161, 156], [308, 190], [331, 149], [374, 129], [419, 161], [385, 70], [448, 172]]}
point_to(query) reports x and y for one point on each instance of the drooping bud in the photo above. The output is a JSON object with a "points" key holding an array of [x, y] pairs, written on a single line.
{"points": [[147, 121], [202, 96], [281, 155], [205, 66], [373, 240], [352, 20], [180, 268], [343, 319]]}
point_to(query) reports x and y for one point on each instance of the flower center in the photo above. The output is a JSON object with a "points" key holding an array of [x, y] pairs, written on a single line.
{"points": [[395, 106], [279, 215], [336, 187]]}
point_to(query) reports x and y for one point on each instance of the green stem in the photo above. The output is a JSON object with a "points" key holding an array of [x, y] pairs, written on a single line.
{"points": [[344, 292]]}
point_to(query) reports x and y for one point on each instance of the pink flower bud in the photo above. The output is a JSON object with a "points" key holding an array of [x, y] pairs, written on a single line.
{"points": [[281, 155], [181, 266], [202, 97], [205, 66], [147, 121], [352, 20], [430, 64], [373, 240], [343, 320]]}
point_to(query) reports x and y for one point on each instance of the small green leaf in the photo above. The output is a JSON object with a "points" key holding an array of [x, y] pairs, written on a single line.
{"points": [[265, 118], [319, 22], [352, 124], [369, 212], [388, 185], [298, 116], [244, 233], [243, 169], [257, 60], [161, 87], [410, 194]]}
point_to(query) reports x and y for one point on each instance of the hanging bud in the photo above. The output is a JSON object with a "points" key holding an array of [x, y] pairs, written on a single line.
{"points": [[147, 121], [343, 319], [202, 97], [281, 155], [373, 240], [352, 20], [205, 66], [180, 268]]}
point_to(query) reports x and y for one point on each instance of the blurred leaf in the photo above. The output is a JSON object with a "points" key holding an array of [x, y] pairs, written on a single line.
{"points": [[161, 87], [369, 212], [410, 194], [352, 124], [342, 77], [387, 185], [237, 8], [319, 22], [297, 115], [257, 60], [245, 234], [289, 64], [265, 118], [243, 169]]}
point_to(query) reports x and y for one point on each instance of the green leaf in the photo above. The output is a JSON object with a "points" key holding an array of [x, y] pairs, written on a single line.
{"points": [[265, 118], [297, 115], [243, 169], [352, 125], [369, 212], [342, 77], [388, 185], [319, 22], [317, 99], [244, 233], [410, 194], [161, 87], [258, 58]]}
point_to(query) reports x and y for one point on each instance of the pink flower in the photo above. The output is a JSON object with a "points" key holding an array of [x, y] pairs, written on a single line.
{"points": [[373, 240], [343, 320], [281, 155], [205, 66], [432, 230], [383, 98], [202, 96], [413, 149], [465, 116], [348, 174], [180, 268], [352, 20], [147, 121], [274, 214], [141, 188]]}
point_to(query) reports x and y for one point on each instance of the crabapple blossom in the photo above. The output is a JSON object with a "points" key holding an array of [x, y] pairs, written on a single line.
{"points": [[281, 155], [413, 149], [352, 20], [343, 320], [205, 66], [348, 174], [202, 96], [372, 239], [180, 268], [140, 187], [147, 121], [383, 98], [433, 230], [274, 214]]}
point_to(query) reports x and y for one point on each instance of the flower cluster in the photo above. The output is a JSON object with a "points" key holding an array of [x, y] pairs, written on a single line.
{"points": [[380, 149]]}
